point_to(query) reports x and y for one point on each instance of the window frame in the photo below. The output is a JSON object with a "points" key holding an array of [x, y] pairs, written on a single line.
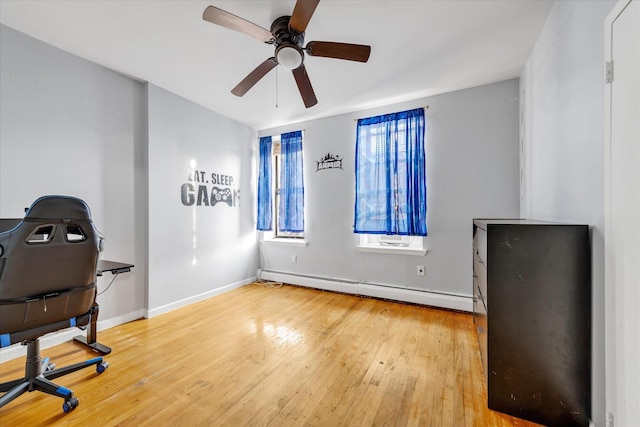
{"points": [[408, 245]]}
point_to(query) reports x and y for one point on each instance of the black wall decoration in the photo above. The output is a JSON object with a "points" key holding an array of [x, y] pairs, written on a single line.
{"points": [[329, 162], [204, 189]]}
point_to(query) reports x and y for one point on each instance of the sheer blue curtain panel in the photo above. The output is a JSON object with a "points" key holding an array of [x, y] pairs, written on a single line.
{"points": [[391, 192], [265, 204], [291, 209]]}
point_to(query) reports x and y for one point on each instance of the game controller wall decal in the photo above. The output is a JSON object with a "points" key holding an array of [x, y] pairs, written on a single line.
{"points": [[204, 189], [329, 161]]}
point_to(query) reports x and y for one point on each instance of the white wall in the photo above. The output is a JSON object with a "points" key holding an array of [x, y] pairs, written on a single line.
{"points": [[199, 250], [71, 127], [472, 171], [561, 89]]}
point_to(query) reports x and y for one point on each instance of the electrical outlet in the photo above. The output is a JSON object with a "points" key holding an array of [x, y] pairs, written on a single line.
{"points": [[294, 258], [421, 270]]}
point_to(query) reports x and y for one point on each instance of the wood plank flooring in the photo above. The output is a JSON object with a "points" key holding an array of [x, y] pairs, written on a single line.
{"points": [[274, 356]]}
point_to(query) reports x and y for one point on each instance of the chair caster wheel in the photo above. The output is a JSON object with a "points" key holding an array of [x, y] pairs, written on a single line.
{"points": [[70, 405], [47, 365], [101, 367]]}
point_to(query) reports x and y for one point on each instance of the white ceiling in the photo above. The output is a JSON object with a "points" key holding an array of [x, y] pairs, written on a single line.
{"points": [[418, 48]]}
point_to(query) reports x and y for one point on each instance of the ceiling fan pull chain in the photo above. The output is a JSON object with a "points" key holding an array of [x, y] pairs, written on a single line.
{"points": [[276, 87]]}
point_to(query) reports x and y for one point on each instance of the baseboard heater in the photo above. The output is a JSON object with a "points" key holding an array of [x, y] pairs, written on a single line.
{"points": [[378, 290]]}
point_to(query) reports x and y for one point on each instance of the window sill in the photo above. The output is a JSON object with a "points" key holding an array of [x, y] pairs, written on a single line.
{"points": [[283, 241], [396, 250]]}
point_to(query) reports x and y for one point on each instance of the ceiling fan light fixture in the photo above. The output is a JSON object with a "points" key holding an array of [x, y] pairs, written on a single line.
{"points": [[289, 56]]}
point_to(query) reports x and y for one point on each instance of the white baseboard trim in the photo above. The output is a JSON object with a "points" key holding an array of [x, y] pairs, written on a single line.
{"points": [[435, 299], [196, 298], [120, 320], [55, 338]]}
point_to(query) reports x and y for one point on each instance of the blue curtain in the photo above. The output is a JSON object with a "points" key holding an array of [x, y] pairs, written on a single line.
{"points": [[391, 191], [264, 185], [291, 209]]}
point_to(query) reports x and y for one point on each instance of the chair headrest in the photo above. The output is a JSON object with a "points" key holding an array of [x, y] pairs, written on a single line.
{"points": [[59, 207]]}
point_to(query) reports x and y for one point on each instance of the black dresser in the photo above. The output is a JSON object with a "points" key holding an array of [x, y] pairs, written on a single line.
{"points": [[532, 311]]}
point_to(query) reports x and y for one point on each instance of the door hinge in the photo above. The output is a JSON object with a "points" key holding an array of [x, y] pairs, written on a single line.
{"points": [[608, 72], [609, 420]]}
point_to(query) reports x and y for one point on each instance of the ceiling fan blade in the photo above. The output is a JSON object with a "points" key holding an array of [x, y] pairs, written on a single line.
{"points": [[254, 76], [301, 15], [348, 51], [233, 22], [304, 86]]}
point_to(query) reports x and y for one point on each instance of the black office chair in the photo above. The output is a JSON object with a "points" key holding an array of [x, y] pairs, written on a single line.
{"points": [[47, 283]]}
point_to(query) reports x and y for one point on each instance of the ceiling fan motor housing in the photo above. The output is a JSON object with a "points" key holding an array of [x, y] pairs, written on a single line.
{"points": [[289, 52]]}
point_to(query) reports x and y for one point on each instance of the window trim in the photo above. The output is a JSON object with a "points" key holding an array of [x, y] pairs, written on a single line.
{"points": [[269, 239], [367, 243]]}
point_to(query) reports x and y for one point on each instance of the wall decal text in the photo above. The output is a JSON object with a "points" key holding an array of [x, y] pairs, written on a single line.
{"points": [[203, 189]]}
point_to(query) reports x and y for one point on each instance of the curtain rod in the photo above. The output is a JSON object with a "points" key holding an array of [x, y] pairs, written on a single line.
{"points": [[426, 107], [303, 130]]}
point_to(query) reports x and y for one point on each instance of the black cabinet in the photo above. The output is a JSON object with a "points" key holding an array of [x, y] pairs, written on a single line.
{"points": [[532, 310]]}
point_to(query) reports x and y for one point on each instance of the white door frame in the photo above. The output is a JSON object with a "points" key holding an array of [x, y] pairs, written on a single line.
{"points": [[622, 308]]}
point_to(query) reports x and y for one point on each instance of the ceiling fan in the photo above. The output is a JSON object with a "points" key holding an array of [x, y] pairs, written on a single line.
{"points": [[287, 35]]}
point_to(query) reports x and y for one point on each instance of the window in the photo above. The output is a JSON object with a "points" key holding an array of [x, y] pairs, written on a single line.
{"points": [[281, 186], [390, 179]]}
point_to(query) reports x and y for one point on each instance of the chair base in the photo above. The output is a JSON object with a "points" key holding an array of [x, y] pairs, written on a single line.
{"points": [[92, 331], [38, 376], [95, 346]]}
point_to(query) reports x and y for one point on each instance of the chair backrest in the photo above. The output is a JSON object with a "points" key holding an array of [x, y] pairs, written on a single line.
{"points": [[48, 264]]}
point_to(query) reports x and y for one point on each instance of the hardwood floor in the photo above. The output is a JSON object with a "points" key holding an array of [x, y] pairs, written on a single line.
{"points": [[269, 356]]}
